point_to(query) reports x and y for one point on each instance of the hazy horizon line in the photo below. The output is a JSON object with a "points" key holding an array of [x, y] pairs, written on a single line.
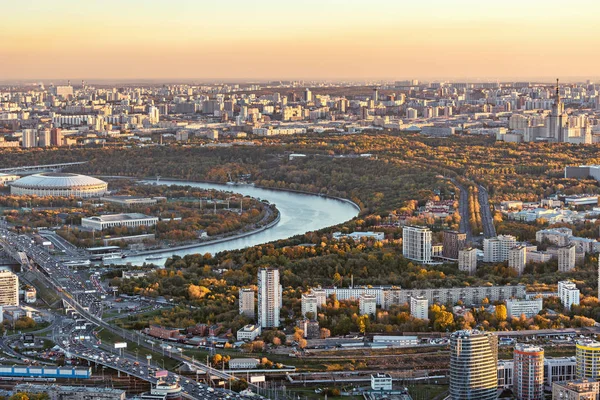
{"points": [[232, 80]]}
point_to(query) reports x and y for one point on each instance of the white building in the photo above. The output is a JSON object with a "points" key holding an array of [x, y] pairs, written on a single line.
{"points": [[132, 220], [269, 297], [496, 249], [419, 307], [321, 296], [517, 258], [357, 236], [566, 258], [395, 341], [556, 236], [367, 304], [568, 294], [247, 302], [9, 289], [243, 363], [467, 260], [381, 381], [249, 332], [517, 307], [309, 303], [416, 243]]}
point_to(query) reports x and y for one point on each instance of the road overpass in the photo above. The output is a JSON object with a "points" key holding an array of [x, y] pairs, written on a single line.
{"points": [[32, 169], [35, 258]]}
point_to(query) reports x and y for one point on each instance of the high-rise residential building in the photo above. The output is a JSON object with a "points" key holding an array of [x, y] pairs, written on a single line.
{"points": [[416, 243], [153, 115], [568, 294], [566, 258], [528, 375], [419, 307], [9, 289], [269, 297], [367, 304], [467, 260], [307, 95], [496, 249], [321, 296], [517, 258], [56, 137], [453, 242], [44, 138], [309, 303], [247, 302], [587, 356], [580, 389], [473, 365], [29, 138]]}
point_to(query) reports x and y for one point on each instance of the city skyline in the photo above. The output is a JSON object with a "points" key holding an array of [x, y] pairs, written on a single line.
{"points": [[330, 40]]}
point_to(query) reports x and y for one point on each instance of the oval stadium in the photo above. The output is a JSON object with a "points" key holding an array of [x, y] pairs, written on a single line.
{"points": [[59, 184]]}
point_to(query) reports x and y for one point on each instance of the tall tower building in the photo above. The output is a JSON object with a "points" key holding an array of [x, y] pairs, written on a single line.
{"points": [[517, 258], [9, 289], [307, 95], [30, 138], [566, 258], [557, 118], [419, 307], [587, 359], [528, 372], [375, 95], [269, 297], [56, 137], [453, 242], [568, 294], [309, 304], [416, 243], [473, 365], [247, 302], [467, 260]]}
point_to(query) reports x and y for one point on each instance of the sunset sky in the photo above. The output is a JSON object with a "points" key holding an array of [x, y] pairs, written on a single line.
{"points": [[305, 39]]}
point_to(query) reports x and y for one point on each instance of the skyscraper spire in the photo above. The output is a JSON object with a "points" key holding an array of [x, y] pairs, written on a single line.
{"points": [[557, 93]]}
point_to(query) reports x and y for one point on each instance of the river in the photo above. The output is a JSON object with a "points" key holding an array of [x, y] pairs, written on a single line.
{"points": [[299, 213]]}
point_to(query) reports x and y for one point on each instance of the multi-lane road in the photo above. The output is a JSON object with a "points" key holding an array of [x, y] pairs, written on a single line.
{"points": [[81, 297]]}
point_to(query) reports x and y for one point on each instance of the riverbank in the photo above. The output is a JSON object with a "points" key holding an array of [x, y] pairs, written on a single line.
{"points": [[208, 242], [348, 201]]}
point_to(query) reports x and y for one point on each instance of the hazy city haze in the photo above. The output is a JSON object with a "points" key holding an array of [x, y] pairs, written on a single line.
{"points": [[271, 39]]}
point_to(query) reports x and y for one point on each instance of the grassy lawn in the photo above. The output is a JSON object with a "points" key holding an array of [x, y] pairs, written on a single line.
{"points": [[47, 295], [109, 338]]}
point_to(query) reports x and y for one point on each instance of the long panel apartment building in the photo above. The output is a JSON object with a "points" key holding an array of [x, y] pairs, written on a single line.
{"points": [[470, 295]]}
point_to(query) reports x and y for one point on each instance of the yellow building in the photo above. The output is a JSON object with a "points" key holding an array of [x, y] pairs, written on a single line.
{"points": [[587, 355]]}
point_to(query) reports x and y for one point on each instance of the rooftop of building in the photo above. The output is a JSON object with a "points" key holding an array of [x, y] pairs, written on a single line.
{"points": [[119, 217]]}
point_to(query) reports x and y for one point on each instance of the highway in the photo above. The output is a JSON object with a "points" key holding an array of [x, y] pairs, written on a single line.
{"points": [[463, 210], [72, 290], [487, 220]]}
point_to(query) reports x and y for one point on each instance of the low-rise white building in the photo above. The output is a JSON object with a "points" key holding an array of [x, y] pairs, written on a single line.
{"points": [[381, 381], [517, 307], [132, 220], [249, 332], [243, 363]]}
